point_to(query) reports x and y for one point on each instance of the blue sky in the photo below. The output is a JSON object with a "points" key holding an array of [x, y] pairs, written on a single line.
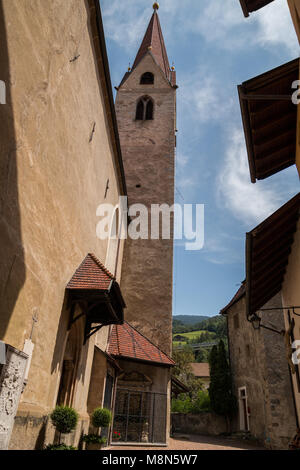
{"points": [[214, 48]]}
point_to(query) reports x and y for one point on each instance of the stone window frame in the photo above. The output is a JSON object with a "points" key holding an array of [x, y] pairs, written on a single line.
{"points": [[142, 114]]}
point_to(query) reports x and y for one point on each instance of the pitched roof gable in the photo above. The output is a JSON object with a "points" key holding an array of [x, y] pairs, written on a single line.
{"points": [[239, 294], [154, 44], [200, 369], [91, 274], [154, 41]]}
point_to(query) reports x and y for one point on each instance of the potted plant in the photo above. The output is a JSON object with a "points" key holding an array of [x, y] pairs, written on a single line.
{"points": [[65, 420], [60, 447], [94, 441], [116, 436], [101, 418]]}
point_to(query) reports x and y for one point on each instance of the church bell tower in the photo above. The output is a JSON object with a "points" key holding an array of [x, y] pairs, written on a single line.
{"points": [[146, 113]]}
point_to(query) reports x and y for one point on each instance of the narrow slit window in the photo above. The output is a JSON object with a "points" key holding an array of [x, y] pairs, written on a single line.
{"points": [[140, 111], [149, 110]]}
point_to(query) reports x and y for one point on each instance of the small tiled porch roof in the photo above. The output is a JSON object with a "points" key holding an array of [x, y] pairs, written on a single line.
{"points": [[268, 247], [125, 342], [270, 120], [91, 274], [248, 6], [95, 290]]}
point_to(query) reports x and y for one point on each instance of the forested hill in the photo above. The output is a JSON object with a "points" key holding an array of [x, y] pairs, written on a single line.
{"points": [[190, 319], [215, 324]]}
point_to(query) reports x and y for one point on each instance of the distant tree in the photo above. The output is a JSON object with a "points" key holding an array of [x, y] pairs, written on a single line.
{"points": [[202, 355], [204, 337], [222, 399], [183, 371], [183, 358]]}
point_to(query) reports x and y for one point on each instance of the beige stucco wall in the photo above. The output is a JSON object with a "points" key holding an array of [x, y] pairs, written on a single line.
{"points": [[52, 181], [148, 150], [258, 362], [291, 296], [97, 387]]}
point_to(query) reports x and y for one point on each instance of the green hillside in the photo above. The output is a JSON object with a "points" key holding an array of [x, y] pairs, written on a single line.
{"points": [[190, 319]]}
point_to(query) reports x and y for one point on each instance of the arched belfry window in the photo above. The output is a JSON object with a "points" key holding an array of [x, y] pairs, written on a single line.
{"points": [[145, 109], [147, 78]]}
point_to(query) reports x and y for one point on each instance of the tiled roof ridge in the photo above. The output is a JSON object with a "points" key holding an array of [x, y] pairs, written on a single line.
{"points": [[147, 339], [101, 266], [237, 296], [135, 343], [118, 342]]}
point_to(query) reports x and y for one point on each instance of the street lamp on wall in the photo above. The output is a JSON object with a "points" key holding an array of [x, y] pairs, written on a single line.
{"points": [[256, 323]]}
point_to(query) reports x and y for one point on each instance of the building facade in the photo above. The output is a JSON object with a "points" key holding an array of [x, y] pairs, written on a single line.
{"points": [[59, 146], [260, 373], [60, 159], [271, 123]]}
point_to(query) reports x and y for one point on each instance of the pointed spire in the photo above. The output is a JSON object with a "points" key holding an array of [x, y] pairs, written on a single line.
{"points": [[154, 41]]}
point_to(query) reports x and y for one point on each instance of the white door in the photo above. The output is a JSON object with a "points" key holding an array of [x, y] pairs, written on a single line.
{"points": [[243, 409]]}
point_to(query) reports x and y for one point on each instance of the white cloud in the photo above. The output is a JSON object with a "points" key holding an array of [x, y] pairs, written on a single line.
{"points": [[218, 21], [275, 26], [225, 25], [182, 160], [124, 22], [248, 202]]}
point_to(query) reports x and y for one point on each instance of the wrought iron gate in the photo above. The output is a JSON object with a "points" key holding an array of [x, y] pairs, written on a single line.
{"points": [[140, 417]]}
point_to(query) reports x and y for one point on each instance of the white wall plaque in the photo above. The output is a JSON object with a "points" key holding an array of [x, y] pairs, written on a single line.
{"points": [[11, 385]]}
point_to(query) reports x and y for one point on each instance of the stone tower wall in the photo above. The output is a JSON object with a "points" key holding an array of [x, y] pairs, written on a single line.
{"points": [[148, 149]]}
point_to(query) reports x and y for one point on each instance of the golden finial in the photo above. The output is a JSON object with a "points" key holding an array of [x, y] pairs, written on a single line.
{"points": [[129, 68], [156, 6]]}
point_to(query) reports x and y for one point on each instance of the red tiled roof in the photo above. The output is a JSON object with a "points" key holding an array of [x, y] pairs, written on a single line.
{"points": [[154, 39], [200, 369], [240, 293], [126, 342], [91, 274]]}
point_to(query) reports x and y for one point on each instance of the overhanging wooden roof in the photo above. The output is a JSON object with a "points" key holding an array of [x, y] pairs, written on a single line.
{"points": [[270, 120], [95, 290], [178, 387], [267, 251], [248, 6]]}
